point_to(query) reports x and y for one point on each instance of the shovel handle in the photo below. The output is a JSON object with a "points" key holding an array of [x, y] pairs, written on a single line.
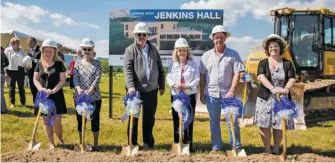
{"points": [[180, 130], [244, 99], [245, 93], [36, 124], [278, 96], [283, 155], [83, 131], [232, 129], [131, 133]]}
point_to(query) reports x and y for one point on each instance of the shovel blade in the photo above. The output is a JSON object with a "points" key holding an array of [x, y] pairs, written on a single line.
{"points": [[231, 153], [237, 153], [184, 149], [32, 145], [241, 153], [129, 151], [283, 157]]}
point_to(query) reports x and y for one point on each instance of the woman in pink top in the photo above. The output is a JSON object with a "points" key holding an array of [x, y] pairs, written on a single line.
{"points": [[72, 63]]}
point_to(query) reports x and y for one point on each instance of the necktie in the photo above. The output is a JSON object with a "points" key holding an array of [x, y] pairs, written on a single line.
{"points": [[146, 64]]}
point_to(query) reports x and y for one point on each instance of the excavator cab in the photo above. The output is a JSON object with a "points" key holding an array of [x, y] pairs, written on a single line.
{"points": [[310, 34], [311, 38]]}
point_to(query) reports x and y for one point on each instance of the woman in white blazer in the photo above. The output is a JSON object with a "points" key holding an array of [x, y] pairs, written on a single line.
{"points": [[183, 75]]}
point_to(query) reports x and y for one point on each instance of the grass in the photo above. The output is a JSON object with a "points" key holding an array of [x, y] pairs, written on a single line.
{"points": [[17, 127]]}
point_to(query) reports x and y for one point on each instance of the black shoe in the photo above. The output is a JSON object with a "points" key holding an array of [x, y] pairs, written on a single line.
{"points": [[4, 112], [275, 153], [35, 111], [95, 149], [147, 147], [61, 146]]}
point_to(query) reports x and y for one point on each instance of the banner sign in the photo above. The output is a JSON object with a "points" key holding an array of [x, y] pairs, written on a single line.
{"points": [[166, 27]]}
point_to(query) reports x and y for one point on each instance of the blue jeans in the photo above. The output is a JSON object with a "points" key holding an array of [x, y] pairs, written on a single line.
{"points": [[214, 110]]}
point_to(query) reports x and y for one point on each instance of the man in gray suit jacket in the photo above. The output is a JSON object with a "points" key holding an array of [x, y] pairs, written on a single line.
{"points": [[143, 71]]}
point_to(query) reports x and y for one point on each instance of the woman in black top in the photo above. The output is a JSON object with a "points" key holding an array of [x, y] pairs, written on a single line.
{"points": [[50, 76], [277, 75], [4, 63]]}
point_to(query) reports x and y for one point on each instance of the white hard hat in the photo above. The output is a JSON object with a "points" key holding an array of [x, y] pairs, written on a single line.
{"points": [[273, 36], [86, 42], [181, 43], [27, 61], [217, 29], [49, 43], [141, 27]]}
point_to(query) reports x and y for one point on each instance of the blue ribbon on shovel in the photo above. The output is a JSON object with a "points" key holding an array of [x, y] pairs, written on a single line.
{"points": [[47, 107], [247, 77], [181, 102], [231, 105], [84, 104], [285, 108], [133, 105]]}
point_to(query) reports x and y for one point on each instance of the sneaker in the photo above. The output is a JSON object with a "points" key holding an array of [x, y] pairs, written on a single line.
{"points": [[216, 150]]}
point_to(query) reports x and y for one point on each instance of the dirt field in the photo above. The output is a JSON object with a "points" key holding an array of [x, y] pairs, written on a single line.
{"points": [[152, 156]]}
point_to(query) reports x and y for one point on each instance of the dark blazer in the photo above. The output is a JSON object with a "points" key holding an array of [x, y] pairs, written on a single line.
{"points": [[35, 58], [61, 56], [4, 61], [264, 68], [134, 73]]}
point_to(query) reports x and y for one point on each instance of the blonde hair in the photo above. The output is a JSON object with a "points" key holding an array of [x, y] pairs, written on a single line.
{"points": [[13, 40], [175, 56], [55, 58]]}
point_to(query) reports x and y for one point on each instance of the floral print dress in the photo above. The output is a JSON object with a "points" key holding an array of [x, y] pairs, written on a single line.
{"points": [[264, 113]]}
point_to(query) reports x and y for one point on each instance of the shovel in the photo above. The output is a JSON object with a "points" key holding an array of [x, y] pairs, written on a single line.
{"points": [[283, 155], [180, 148], [234, 152], [33, 145], [283, 123], [83, 127], [130, 150], [83, 147], [243, 123]]}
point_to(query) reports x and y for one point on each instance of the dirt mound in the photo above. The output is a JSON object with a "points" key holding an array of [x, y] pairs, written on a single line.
{"points": [[152, 156]]}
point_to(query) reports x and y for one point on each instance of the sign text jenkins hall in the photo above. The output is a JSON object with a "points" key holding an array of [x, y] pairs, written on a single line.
{"points": [[187, 15]]}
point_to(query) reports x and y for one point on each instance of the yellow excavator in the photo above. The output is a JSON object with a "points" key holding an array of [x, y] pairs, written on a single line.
{"points": [[310, 34]]}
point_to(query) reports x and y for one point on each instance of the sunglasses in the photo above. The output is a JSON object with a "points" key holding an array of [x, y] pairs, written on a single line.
{"points": [[182, 50], [142, 34], [87, 49]]}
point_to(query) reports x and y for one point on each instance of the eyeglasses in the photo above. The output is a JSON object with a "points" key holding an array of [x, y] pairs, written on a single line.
{"points": [[142, 34], [87, 49]]}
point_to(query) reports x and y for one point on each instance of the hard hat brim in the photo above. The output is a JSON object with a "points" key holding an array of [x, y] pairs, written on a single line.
{"points": [[265, 41], [141, 31], [183, 46], [90, 46], [227, 34], [46, 46]]}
